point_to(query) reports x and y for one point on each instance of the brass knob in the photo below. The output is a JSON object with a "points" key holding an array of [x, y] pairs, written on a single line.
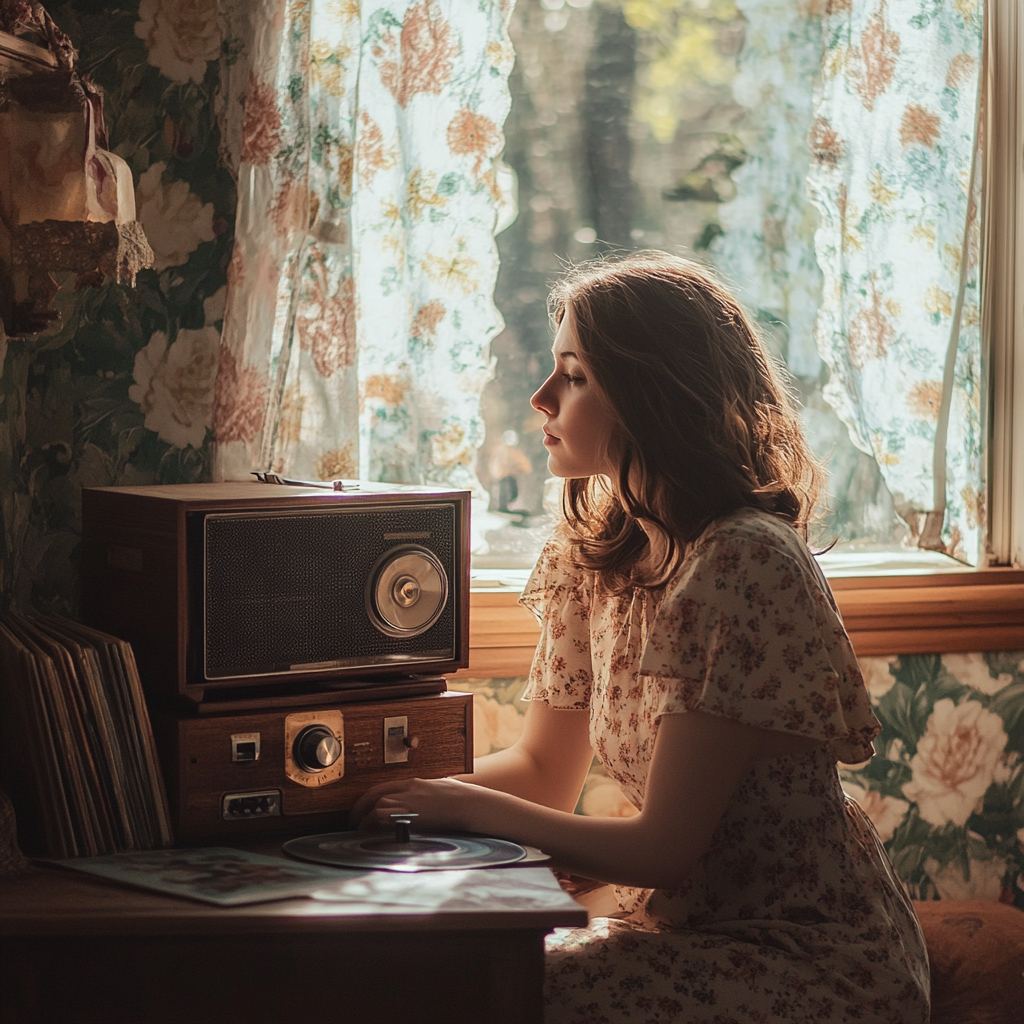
{"points": [[316, 748]]}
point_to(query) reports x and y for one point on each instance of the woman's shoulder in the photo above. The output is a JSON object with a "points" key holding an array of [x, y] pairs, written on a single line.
{"points": [[555, 561], [750, 557], [749, 539], [750, 631], [752, 526]]}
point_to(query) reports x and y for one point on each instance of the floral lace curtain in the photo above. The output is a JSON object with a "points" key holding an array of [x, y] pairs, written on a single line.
{"points": [[359, 308], [894, 178], [767, 247], [890, 167]]}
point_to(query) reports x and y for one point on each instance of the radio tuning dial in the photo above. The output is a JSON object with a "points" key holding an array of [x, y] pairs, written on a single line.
{"points": [[316, 748], [407, 591]]}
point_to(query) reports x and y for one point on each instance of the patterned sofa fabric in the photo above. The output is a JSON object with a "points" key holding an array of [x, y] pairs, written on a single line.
{"points": [[976, 956], [945, 788]]}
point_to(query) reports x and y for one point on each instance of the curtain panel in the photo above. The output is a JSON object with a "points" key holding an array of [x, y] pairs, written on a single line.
{"points": [[894, 176], [366, 136], [767, 245]]}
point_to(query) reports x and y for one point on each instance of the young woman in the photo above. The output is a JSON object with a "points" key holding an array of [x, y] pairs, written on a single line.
{"points": [[689, 638]]}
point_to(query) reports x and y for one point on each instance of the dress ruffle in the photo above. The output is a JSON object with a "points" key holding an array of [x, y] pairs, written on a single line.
{"points": [[749, 630], [559, 595]]}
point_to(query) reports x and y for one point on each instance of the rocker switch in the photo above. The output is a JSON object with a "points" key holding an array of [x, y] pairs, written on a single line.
{"points": [[396, 731]]}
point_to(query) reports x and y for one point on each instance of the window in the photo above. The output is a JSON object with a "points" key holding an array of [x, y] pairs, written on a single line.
{"points": [[647, 123]]}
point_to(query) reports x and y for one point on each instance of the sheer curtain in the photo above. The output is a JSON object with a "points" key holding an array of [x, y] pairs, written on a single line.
{"points": [[366, 134], [869, 113], [767, 248], [895, 178]]}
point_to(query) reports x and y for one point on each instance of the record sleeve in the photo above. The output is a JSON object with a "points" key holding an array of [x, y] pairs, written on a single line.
{"points": [[216, 875]]}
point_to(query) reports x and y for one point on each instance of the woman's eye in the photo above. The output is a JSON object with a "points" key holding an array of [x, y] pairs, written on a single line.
{"points": [[572, 380]]}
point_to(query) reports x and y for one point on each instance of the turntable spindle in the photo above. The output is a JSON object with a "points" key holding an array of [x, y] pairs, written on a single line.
{"points": [[402, 823]]}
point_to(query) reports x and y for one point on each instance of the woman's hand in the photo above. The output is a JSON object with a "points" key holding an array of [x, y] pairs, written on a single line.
{"points": [[545, 767], [439, 804]]}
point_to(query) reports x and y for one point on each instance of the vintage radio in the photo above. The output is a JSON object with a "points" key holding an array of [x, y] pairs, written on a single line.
{"points": [[292, 641], [228, 589]]}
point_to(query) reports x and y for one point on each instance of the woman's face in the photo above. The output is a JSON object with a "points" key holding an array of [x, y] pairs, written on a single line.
{"points": [[579, 419]]}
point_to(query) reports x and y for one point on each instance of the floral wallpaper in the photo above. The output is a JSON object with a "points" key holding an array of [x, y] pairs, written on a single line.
{"points": [[120, 391], [945, 788], [898, 247]]}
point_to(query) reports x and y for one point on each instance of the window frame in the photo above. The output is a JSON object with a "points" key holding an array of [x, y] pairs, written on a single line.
{"points": [[1003, 297], [884, 615]]}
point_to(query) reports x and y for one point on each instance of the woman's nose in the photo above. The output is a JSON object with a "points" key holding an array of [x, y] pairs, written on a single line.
{"points": [[541, 400]]}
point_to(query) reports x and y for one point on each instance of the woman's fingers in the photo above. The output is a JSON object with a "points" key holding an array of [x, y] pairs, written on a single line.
{"points": [[370, 798], [379, 817], [435, 802]]}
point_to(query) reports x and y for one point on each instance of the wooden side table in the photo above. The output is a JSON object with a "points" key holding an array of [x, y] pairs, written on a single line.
{"points": [[76, 950]]}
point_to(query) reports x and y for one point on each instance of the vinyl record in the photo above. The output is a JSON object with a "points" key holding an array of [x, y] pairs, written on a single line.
{"points": [[421, 853]]}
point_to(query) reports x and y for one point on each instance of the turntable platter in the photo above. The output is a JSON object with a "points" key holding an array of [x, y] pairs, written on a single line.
{"points": [[420, 853]]}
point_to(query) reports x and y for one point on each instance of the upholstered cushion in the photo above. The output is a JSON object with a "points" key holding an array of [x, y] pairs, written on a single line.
{"points": [[976, 949]]}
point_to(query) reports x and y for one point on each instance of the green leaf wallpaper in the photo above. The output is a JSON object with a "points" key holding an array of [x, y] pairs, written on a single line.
{"points": [[120, 391], [945, 786]]}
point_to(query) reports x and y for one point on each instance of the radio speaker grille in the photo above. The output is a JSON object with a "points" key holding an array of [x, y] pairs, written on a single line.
{"points": [[269, 611]]}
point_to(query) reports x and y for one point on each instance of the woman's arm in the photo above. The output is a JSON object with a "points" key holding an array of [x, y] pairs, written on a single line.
{"points": [[549, 762], [698, 761]]}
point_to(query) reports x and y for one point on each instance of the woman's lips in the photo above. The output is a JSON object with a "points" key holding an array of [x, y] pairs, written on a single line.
{"points": [[550, 439]]}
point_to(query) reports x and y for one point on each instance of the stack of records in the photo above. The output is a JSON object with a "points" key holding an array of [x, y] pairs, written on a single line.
{"points": [[79, 762]]}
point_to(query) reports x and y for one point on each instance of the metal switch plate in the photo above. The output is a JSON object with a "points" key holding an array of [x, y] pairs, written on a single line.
{"points": [[395, 732], [245, 746]]}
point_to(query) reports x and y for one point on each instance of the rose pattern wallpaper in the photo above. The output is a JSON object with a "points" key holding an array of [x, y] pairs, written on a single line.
{"points": [[121, 390], [945, 789]]}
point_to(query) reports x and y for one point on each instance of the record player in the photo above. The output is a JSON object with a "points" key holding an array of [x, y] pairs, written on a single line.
{"points": [[292, 641]]}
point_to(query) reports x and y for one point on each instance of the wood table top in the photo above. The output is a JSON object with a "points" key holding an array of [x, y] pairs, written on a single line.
{"points": [[51, 900]]}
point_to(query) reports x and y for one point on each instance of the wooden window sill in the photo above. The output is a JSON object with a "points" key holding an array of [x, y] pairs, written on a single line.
{"points": [[884, 615]]}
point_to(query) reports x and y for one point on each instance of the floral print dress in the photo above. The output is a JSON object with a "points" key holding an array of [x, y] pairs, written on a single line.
{"points": [[793, 913]]}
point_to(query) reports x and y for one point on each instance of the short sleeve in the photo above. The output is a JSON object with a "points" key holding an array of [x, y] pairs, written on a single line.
{"points": [[750, 632], [559, 595]]}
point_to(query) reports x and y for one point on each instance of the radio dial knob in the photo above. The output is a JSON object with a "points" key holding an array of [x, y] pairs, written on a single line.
{"points": [[316, 748], [406, 591]]}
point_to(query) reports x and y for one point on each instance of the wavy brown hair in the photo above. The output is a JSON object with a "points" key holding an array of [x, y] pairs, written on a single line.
{"points": [[706, 424]]}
